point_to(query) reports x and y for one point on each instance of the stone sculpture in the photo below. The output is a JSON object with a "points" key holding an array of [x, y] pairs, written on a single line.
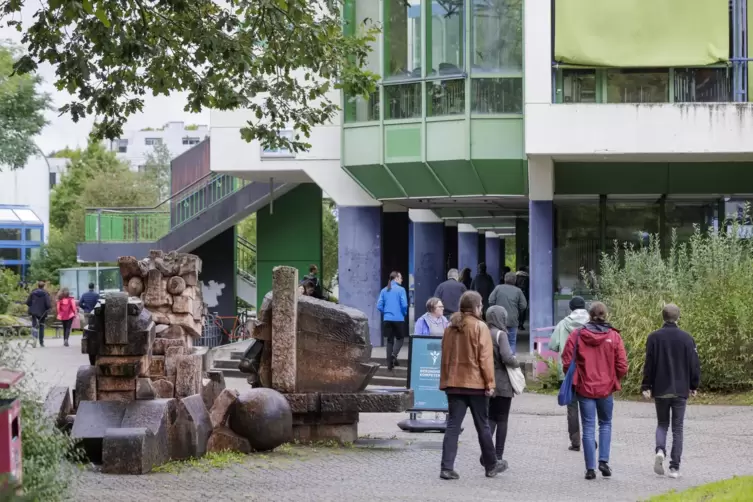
{"points": [[264, 417]]}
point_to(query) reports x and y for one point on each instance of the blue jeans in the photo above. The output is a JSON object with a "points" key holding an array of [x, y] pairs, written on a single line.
{"points": [[590, 409], [512, 337]]}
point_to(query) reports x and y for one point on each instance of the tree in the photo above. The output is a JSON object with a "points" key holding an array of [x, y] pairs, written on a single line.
{"points": [[59, 252], [22, 109], [276, 58], [157, 167], [329, 242]]}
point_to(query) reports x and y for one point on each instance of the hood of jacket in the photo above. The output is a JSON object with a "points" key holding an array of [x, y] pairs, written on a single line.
{"points": [[38, 292], [496, 317], [594, 334], [577, 319]]}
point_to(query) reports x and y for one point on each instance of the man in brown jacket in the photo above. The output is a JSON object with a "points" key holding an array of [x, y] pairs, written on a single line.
{"points": [[467, 376]]}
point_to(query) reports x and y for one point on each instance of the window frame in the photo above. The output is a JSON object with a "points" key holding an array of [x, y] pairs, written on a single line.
{"points": [[267, 153]]}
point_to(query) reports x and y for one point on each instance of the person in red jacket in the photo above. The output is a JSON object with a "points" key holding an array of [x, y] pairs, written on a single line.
{"points": [[601, 363]]}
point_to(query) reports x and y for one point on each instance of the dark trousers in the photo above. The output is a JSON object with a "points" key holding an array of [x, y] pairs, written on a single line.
{"points": [[676, 407], [393, 333], [573, 423], [499, 412], [457, 405], [67, 328], [38, 324]]}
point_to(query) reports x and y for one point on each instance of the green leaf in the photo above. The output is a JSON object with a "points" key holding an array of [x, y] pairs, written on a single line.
{"points": [[87, 6], [102, 17]]}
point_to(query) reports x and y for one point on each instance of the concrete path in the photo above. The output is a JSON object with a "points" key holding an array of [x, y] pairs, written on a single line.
{"points": [[405, 467]]}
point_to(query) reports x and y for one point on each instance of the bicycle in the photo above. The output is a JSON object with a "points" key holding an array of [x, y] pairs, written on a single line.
{"points": [[239, 331]]}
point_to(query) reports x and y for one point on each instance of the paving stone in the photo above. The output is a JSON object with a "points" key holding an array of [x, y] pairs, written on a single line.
{"points": [[220, 410], [188, 376], [127, 451]]}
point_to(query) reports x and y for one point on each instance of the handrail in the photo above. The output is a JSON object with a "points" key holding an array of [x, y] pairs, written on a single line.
{"points": [[179, 192], [246, 243]]}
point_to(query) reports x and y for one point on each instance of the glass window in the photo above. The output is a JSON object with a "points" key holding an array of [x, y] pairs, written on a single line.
{"points": [[577, 244], [10, 253], [497, 95], [637, 86], [445, 97], [122, 145], [152, 141], [53, 180], [578, 86], [191, 141], [403, 101], [703, 85], [447, 37], [367, 16], [632, 222], [360, 109], [402, 39], [34, 234], [31, 253], [497, 42], [10, 234], [279, 152], [683, 217]]}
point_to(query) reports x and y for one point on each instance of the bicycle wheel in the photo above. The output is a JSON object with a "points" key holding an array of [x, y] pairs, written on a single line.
{"points": [[240, 333]]}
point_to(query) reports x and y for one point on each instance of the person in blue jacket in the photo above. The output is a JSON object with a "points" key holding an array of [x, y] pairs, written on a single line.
{"points": [[393, 304]]}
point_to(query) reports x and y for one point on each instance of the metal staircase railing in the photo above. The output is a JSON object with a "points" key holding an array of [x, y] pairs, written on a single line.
{"points": [[246, 259]]}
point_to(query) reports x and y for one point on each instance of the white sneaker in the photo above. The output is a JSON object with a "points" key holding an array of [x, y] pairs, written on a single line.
{"points": [[659, 463], [674, 473]]}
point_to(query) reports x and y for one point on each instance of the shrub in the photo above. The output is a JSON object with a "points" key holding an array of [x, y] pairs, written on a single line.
{"points": [[710, 278]]}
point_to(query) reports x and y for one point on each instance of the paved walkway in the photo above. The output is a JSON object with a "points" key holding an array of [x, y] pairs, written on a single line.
{"points": [[405, 466]]}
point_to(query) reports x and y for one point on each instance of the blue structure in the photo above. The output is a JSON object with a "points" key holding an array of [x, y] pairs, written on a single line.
{"points": [[493, 257], [429, 262], [467, 250], [21, 236], [541, 272]]}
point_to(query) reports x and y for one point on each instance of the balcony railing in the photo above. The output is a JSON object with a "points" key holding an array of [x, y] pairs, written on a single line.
{"points": [[137, 224]]}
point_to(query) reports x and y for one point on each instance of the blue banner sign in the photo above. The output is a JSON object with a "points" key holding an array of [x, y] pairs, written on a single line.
{"points": [[425, 364]]}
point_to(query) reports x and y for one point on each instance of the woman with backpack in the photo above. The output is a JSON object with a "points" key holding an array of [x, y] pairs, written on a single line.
{"points": [[67, 311]]}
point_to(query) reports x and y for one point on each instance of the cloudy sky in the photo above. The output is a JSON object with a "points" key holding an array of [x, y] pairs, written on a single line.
{"points": [[62, 131]]}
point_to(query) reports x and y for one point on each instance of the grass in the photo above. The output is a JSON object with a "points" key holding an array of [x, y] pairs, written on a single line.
{"points": [[212, 460], [737, 489]]}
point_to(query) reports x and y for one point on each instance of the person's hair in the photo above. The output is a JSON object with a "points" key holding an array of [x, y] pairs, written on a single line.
{"points": [[465, 274], [313, 269], [522, 268], [453, 274], [91, 285], [505, 270], [670, 313], [432, 303], [393, 276], [470, 301], [598, 312], [64, 293], [510, 278], [482, 268], [40, 284]]}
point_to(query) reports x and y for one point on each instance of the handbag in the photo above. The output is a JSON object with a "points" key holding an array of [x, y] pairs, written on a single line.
{"points": [[566, 393], [517, 378]]}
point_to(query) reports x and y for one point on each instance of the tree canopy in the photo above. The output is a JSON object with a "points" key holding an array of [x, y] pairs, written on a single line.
{"points": [[22, 109], [277, 58]]}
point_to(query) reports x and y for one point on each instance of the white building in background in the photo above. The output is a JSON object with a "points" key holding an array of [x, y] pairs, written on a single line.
{"points": [[30, 186], [134, 146]]}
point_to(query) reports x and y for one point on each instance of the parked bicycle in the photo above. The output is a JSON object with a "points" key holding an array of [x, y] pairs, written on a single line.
{"points": [[239, 331]]}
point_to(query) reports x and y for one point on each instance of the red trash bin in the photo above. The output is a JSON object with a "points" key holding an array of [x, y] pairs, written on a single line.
{"points": [[10, 429]]}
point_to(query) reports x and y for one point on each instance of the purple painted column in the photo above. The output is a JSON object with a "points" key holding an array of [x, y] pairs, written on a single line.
{"points": [[467, 247], [541, 221], [429, 262], [492, 256], [502, 260], [360, 263]]}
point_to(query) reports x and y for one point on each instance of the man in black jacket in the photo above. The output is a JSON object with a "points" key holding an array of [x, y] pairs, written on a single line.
{"points": [[39, 304], [671, 373]]}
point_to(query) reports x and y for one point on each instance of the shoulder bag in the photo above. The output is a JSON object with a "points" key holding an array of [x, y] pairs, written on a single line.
{"points": [[566, 393], [517, 378]]}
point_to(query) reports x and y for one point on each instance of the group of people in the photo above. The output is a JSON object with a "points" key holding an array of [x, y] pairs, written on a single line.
{"points": [[39, 304]]}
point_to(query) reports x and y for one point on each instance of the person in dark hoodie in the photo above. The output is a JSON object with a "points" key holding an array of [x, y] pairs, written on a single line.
{"points": [[598, 352], [449, 292], [89, 299], [39, 304], [483, 284]]}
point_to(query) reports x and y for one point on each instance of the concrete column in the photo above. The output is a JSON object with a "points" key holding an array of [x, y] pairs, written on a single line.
{"points": [[450, 246], [360, 263], [541, 221], [492, 255], [284, 332], [428, 256], [467, 247], [521, 242], [395, 239], [481, 250]]}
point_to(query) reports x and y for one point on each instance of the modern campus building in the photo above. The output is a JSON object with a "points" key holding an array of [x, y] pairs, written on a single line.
{"points": [[21, 233], [568, 124]]}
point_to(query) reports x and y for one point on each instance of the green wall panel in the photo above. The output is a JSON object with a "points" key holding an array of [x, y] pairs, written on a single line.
{"points": [[362, 145], [446, 140], [504, 176], [715, 178], [291, 235], [497, 139], [402, 143], [416, 179], [377, 181], [458, 176]]}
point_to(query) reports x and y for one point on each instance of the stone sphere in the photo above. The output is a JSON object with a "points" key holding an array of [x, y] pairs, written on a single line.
{"points": [[135, 286], [262, 416]]}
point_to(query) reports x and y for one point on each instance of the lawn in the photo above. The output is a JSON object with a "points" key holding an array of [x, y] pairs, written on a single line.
{"points": [[737, 489]]}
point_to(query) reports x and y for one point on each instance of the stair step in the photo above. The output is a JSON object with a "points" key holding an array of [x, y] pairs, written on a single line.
{"points": [[397, 372], [383, 362], [225, 364], [383, 381], [228, 373], [236, 355]]}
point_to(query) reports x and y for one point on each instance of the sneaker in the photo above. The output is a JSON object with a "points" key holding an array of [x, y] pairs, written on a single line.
{"points": [[449, 475], [395, 361], [573, 447], [606, 471], [499, 459], [500, 467], [674, 473], [65, 343], [590, 474], [659, 463]]}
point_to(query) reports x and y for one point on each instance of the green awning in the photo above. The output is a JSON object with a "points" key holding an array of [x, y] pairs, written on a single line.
{"points": [[641, 33]]}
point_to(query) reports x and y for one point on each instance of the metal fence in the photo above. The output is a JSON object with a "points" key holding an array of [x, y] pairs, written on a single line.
{"points": [[211, 334]]}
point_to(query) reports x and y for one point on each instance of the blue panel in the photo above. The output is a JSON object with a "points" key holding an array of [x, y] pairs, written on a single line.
{"points": [[429, 257], [492, 258], [425, 366], [541, 230], [467, 250]]}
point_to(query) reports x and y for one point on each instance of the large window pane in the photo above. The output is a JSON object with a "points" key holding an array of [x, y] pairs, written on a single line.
{"points": [[703, 85], [402, 38], [637, 86], [445, 97], [577, 244], [10, 234], [497, 95], [10, 253], [446, 37], [360, 109], [497, 42], [631, 222], [34, 234], [684, 217], [578, 86], [403, 101]]}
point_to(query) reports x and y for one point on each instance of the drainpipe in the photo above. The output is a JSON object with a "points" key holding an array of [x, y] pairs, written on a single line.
{"points": [[271, 196]]}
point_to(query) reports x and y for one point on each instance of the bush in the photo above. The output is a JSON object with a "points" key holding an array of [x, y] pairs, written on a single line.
{"points": [[710, 278]]}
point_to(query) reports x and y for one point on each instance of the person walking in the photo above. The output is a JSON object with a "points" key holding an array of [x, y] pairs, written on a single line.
{"points": [[598, 352], [433, 322], [465, 278], [467, 376], [509, 296], [671, 372], [393, 304], [39, 304], [500, 402], [66, 311], [523, 281], [313, 277], [449, 292], [577, 318], [89, 299], [483, 284]]}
